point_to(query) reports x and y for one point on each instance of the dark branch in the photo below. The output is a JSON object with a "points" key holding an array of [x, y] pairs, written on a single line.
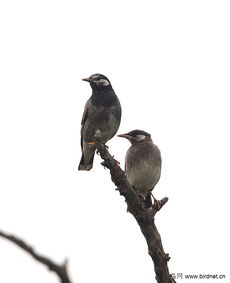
{"points": [[143, 216], [60, 270]]}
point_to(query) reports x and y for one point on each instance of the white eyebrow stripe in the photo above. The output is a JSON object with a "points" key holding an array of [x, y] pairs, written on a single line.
{"points": [[140, 137], [104, 82]]}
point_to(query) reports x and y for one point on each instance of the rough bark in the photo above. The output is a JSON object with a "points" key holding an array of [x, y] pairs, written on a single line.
{"points": [[143, 216]]}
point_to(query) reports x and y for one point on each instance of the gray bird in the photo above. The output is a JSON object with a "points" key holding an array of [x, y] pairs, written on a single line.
{"points": [[101, 118], [142, 164]]}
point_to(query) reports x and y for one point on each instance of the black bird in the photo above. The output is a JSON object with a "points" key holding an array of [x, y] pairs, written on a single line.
{"points": [[101, 118], [142, 164]]}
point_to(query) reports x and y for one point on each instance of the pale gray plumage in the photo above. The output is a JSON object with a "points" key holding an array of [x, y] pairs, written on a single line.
{"points": [[142, 163]]}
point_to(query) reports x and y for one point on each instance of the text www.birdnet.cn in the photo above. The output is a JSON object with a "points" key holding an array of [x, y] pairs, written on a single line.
{"points": [[197, 276]]}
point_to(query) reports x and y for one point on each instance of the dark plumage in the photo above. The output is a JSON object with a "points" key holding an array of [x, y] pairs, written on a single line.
{"points": [[101, 118], [142, 163]]}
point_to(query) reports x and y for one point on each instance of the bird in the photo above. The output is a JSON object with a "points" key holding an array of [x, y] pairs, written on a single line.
{"points": [[142, 165], [101, 118]]}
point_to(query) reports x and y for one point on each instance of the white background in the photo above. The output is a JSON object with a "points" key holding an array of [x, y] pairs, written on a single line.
{"points": [[168, 62]]}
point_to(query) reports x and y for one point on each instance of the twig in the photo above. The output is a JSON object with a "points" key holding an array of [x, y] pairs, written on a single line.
{"points": [[60, 270], [143, 216]]}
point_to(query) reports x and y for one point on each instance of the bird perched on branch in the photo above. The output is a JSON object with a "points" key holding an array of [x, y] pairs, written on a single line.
{"points": [[101, 118], [142, 164]]}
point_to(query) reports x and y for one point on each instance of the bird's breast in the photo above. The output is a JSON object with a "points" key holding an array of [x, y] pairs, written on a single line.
{"points": [[102, 118], [143, 169]]}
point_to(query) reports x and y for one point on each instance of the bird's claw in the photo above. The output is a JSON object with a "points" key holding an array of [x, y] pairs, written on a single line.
{"points": [[157, 204], [106, 146]]}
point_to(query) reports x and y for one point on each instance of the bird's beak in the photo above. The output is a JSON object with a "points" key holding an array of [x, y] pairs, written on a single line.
{"points": [[87, 80], [124, 136]]}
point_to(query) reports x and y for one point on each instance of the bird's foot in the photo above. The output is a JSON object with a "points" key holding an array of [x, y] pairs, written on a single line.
{"points": [[91, 144], [106, 146], [157, 204]]}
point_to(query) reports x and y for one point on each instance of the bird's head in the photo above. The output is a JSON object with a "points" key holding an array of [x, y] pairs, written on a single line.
{"points": [[98, 81], [136, 136]]}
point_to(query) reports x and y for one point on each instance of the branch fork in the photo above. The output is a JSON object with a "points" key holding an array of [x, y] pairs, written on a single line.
{"points": [[143, 215]]}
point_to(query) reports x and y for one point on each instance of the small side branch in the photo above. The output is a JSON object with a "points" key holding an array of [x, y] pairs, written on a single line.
{"points": [[143, 215], [60, 270]]}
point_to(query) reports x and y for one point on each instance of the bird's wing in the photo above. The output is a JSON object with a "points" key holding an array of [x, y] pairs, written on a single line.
{"points": [[83, 120]]}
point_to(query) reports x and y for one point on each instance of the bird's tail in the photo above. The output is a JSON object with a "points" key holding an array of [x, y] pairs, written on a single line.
{"points": [[86, 163]]}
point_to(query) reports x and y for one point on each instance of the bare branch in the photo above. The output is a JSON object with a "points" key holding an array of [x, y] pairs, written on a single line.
{"points": [[60, 270], [143, 216]]}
